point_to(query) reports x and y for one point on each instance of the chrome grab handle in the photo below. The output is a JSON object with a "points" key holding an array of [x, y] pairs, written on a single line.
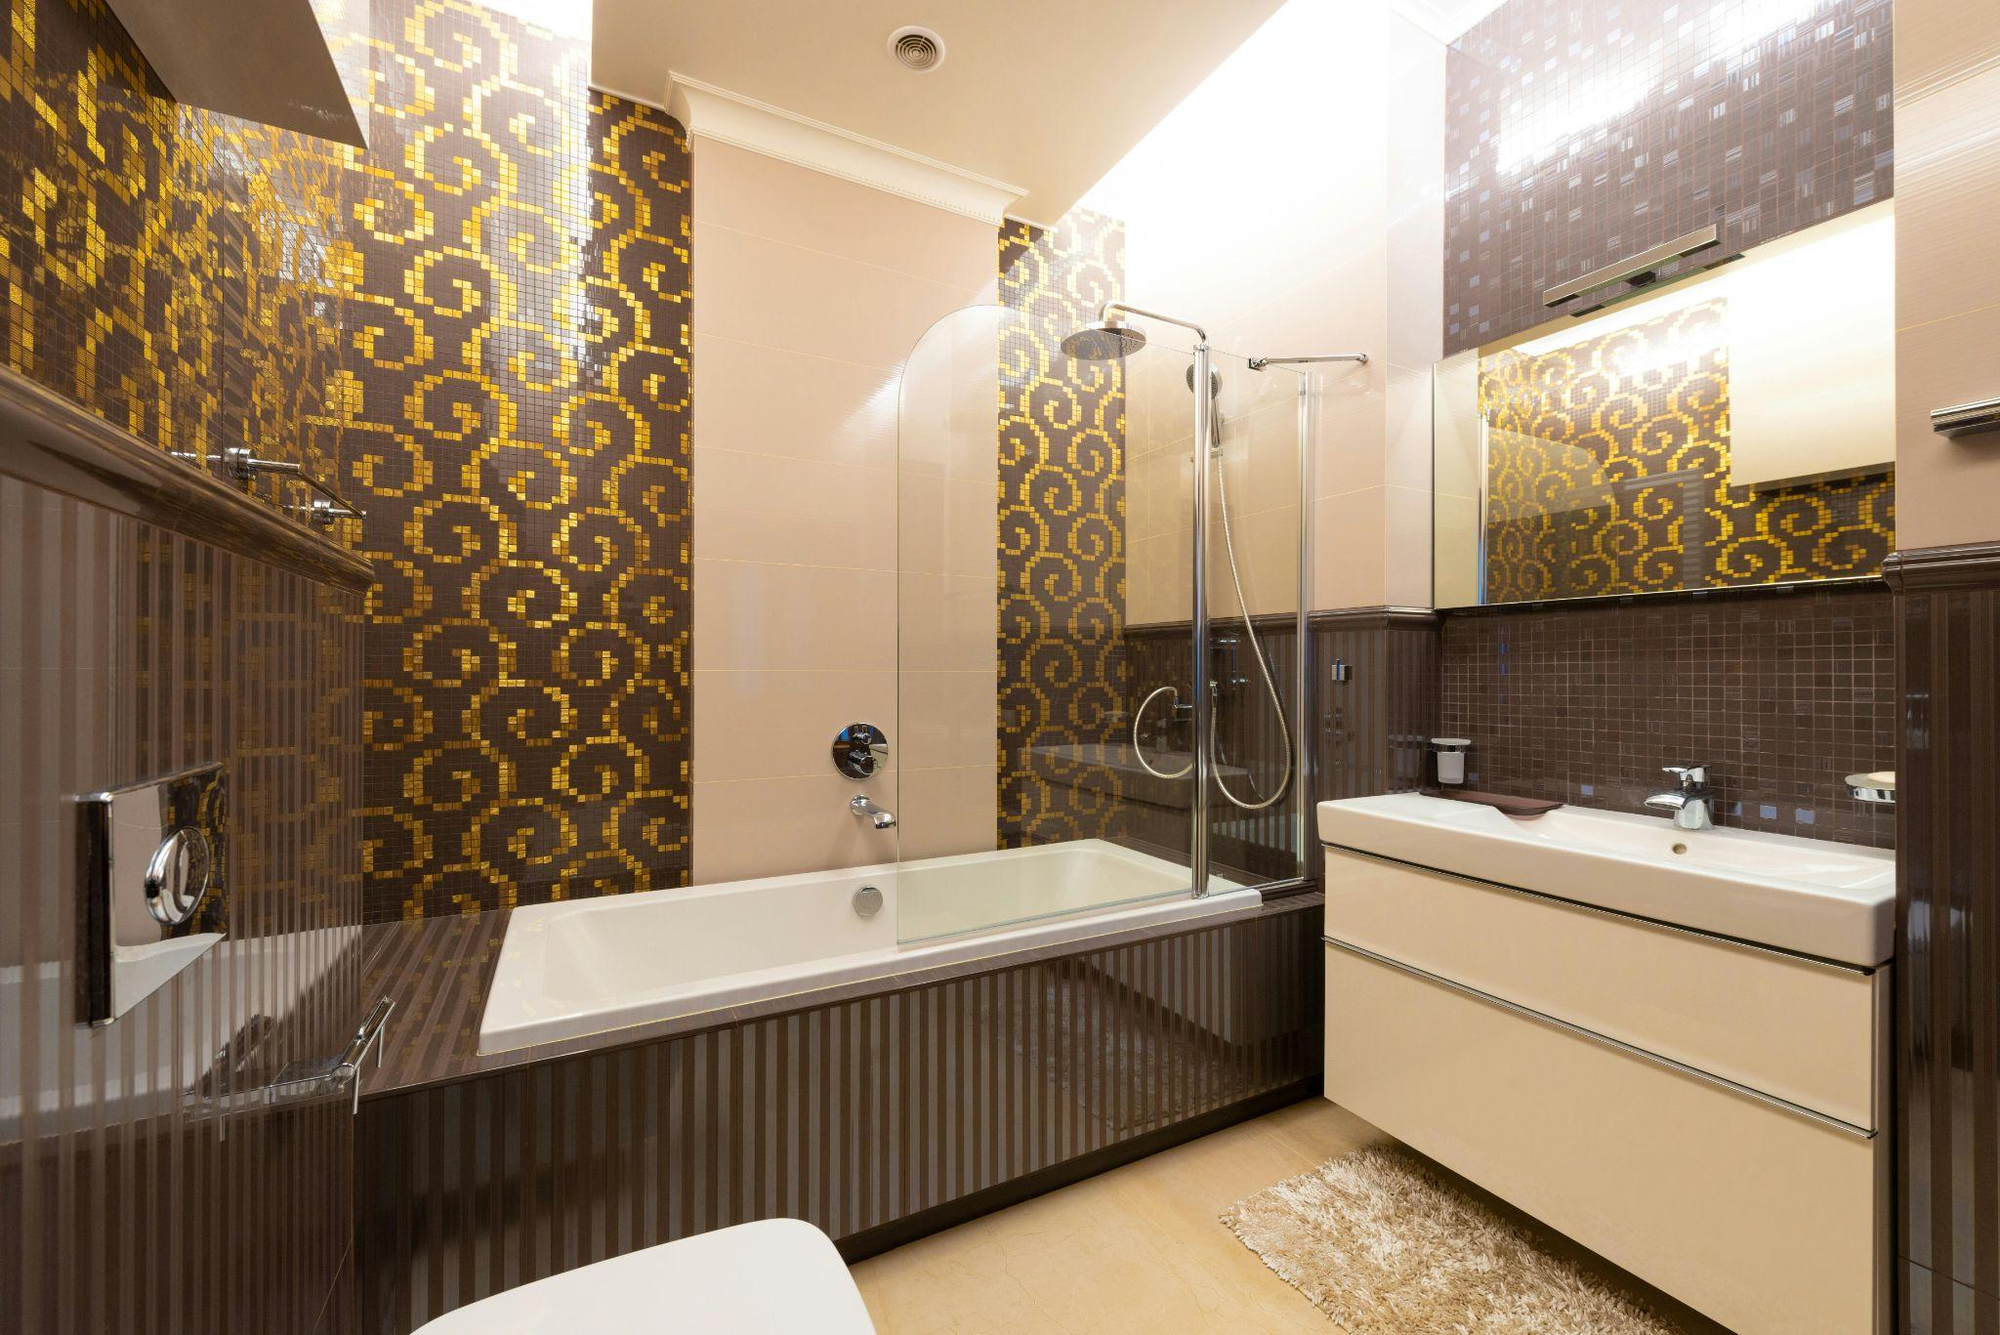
{"points": [[306, 1080], [328, 506], [1964, 419]]}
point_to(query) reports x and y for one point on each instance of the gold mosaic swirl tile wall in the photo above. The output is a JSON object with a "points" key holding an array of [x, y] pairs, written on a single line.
{"points": [[514, 419], [164, 266], [1063, 665], [1608, 473], [479, 328]]}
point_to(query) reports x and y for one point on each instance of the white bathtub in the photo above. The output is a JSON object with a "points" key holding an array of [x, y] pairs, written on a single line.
{"points": [[585, 967]]}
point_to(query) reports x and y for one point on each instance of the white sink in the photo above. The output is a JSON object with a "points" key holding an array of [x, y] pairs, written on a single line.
{"points": [[1834, 901]]}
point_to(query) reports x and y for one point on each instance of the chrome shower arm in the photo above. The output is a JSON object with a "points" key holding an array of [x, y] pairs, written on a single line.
{"points": [[1259, 363], [1104, 313]]}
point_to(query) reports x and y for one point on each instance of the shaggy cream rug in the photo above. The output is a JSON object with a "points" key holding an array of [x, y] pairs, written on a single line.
{"points": [[1381, 1244]]}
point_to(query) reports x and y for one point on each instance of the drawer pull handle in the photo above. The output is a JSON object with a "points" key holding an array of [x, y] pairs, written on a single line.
{"points": [[1578, 1031]]}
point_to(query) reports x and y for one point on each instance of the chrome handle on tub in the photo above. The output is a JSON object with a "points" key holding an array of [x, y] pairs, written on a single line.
{"points": [[1965, 419], [327, 507], [327, 1075]]}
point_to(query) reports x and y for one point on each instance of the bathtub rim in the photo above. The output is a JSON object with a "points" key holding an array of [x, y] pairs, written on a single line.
{"points": [[1163, 908], [438, 1044]]}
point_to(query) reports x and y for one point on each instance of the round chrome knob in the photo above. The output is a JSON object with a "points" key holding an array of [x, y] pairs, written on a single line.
{"points": [[177, 876], [859, 749]]}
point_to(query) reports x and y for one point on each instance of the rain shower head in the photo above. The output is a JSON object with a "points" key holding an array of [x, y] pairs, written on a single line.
{"points": [[1112, 336], [1104, 340]]}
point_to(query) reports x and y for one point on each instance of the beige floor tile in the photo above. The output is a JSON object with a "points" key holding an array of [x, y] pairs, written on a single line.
{"points": [[1140, 1248], [1137, 1249]]}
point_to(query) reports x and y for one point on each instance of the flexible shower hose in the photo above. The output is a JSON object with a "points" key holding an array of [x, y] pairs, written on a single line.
{"points": [[1256, 652]]}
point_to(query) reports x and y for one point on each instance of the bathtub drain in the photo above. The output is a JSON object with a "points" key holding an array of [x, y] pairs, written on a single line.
{"points": [[867, 901]]}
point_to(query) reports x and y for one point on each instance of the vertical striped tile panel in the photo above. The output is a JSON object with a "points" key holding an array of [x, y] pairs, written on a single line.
{"points": [[854, 1115], [1371, 733], [126, 651], [1948, 941]]}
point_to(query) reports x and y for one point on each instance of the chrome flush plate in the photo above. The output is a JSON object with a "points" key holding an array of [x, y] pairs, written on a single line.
{"points": [[150, 903]]}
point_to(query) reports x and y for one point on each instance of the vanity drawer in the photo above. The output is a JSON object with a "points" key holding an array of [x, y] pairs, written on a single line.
{"points": [[1765, 1219], [1797, 1029]]}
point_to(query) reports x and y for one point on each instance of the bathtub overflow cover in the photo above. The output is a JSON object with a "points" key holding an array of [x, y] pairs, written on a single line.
{"points": [[867, 901]]}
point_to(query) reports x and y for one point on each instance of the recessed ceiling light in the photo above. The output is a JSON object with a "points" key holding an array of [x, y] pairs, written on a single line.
{"points": [[916, 48]]}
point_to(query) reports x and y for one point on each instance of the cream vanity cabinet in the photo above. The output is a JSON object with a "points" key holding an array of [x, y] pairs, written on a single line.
{"points": [[1704, 1110]]}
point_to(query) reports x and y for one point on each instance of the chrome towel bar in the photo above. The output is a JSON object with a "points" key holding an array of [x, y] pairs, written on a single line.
{"points": [[1964, 419], [327, 507]]}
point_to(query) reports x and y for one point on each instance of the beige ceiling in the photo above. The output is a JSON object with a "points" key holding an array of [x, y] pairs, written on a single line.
{"points": [[1043, 94]]}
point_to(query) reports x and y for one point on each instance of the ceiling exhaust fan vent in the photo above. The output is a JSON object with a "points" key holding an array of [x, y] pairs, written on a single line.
{"points": [[917, 49]]}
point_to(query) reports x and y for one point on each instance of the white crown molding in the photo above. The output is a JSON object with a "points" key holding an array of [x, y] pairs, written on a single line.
{"points": [[743, 122]]}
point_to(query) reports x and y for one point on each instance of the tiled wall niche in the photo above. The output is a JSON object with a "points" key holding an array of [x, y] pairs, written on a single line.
{"points": [[1580, 134]]}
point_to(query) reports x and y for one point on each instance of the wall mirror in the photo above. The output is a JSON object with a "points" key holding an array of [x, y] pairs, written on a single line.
{"points": [[1733, 427]]}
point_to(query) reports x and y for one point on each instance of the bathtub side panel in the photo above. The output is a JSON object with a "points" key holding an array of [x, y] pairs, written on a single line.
{"points": [[860, 1115]]}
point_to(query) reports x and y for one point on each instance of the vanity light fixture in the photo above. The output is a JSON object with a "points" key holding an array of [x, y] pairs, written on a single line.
{"points": [[1638, 270]]}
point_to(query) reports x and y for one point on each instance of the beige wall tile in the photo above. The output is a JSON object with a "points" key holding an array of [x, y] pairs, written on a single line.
{"points": [[753, 615], [1938, 41], [1407, 522], [946, 527], [948, 811], [947, 622], [946, 719], [756, 290], [1157, 582], [1349, 430], [760, 507], [791, 404], [1408, 397], [1159, 491], [752, 193], [777, 827], [1947, 491], [1947, 200], [772, 724], [1947, 304], [1348, 558], [810, 293]]}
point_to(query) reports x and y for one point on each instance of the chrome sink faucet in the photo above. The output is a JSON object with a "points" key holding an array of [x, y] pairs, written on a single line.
{"points": [[1693, 802], [879, 817]]}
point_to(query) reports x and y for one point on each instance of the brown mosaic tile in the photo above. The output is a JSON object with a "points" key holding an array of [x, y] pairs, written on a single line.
{"points": [[1782, 694], [1581, 133]]}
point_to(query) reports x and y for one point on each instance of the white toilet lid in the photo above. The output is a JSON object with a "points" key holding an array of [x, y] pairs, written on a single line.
{"points": [[776, 1275]]}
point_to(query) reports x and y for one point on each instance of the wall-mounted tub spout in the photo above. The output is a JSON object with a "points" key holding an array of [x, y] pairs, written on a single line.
{"points": [[879, 817]]}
